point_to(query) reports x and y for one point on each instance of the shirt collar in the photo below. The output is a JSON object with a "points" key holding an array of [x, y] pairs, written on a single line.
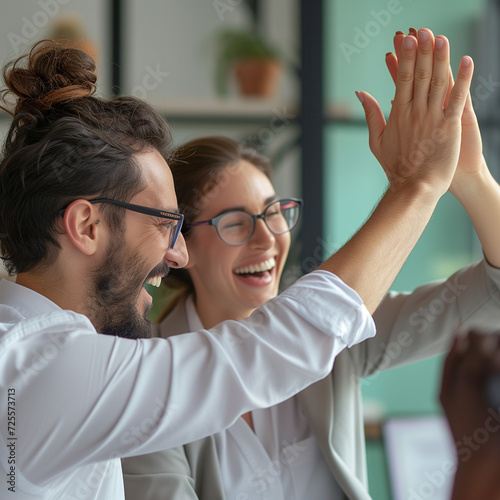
{"points": [[25, 301]]}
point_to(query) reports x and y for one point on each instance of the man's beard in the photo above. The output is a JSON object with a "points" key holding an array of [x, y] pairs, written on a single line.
{"points": [[116, 288]]}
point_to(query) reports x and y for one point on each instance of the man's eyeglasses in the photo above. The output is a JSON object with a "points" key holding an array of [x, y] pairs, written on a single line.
{"points": [[237, 226], [174, 226]]}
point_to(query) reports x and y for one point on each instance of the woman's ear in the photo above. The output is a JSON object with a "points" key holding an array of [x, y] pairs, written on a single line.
{"points": [[81, 225]]}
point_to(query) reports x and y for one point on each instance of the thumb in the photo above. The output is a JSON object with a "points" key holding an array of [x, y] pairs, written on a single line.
{"points": [[374, 118]]}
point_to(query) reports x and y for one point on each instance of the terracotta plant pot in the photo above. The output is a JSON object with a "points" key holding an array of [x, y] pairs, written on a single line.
{"points": [[258, 77]]}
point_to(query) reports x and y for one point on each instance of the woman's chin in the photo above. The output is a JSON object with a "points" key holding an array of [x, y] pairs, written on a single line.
{"points": [[261, 298]]}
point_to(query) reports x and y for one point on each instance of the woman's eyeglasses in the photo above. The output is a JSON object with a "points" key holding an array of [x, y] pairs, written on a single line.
{"points": [[237, 226]]}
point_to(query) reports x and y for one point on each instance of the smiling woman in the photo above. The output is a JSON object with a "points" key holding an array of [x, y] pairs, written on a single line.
{"points": [[235, 265]]}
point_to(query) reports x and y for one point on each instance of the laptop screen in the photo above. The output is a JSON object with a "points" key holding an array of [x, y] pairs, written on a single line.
{"points": [[421, 457]]}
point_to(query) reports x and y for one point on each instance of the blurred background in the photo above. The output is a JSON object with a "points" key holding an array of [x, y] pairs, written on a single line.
{"points": [[179, 55]]}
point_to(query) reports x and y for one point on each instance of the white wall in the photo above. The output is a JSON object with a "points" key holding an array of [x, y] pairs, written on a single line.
{"points": [[23, 22], [178, 38]]}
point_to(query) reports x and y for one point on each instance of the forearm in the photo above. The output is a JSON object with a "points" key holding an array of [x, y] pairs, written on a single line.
{"points": [[371, 260], [479, 194]]}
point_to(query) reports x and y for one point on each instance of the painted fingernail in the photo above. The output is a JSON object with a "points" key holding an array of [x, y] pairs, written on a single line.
{"points": [[413, 31], [399, 32], [466, 61], [439, 43], [423, 36], [359, 95], [409, 42]]}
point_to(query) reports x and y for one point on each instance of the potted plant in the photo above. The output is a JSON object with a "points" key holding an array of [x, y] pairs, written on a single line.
{"points": [[256, 63]]}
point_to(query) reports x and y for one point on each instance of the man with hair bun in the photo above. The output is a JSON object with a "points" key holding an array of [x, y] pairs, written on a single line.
{"points": [[88, 216]]}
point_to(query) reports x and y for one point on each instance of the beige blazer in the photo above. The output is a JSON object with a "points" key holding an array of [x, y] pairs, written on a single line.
{"points": [[409, 327]]}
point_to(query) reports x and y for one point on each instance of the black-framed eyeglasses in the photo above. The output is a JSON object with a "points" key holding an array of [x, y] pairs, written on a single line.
{"points": [[175, 219], [236, 227]]}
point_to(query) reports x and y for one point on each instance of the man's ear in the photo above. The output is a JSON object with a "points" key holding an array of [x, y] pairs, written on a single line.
{"points": [[81, 224]]}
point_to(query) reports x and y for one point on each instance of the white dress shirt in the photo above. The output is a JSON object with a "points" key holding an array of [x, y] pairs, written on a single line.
{"points": [[82, 400], [279, 460]]}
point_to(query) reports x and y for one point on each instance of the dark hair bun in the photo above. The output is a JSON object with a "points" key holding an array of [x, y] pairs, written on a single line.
{"points": [[53, 72]]}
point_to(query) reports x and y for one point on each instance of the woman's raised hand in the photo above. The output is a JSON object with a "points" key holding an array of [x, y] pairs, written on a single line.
{"points": [[420, 143]]}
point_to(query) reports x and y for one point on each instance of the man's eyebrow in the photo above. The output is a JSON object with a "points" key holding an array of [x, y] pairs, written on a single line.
{"points": [[171, 210], [268, 200]]}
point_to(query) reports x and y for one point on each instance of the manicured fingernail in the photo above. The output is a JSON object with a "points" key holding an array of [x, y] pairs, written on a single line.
{"points": [[413, 31], [439, 43], [409, 42], [359, 95], [423, 36], [387, 54], [399, 33], [465, 61]]}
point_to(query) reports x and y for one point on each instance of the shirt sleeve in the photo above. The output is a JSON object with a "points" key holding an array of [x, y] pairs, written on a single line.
{"points": [[84, 398], [417, 325]]}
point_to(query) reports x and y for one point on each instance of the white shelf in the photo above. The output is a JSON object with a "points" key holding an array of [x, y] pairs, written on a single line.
{"points": [[242, 109]]}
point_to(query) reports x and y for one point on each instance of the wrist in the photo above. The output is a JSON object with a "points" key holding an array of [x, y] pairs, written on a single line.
{"points": [[415, 191], [466, 184]]}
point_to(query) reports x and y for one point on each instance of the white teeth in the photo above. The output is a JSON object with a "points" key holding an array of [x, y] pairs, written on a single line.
{"points": [[257, 268], [155, 281]]}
